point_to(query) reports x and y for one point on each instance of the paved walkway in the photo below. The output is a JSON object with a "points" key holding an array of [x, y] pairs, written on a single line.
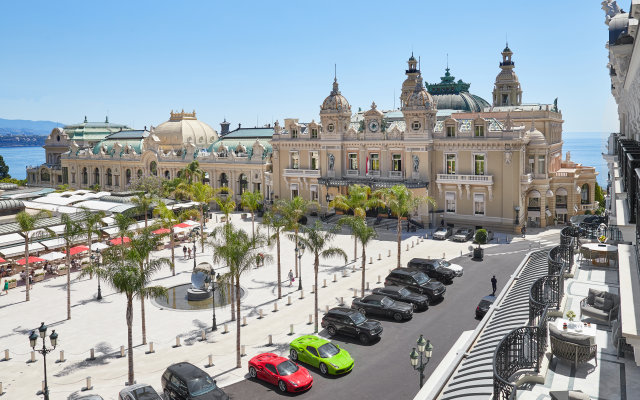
{"points": [[101, 325]]}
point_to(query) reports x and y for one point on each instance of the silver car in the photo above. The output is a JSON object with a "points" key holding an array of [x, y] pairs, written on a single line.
{"points": [[140, 391], [442, 233], [462, 235]]}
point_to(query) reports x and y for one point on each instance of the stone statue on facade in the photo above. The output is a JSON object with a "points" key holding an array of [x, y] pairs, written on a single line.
{"points": [[332, 160], [416, 163]]}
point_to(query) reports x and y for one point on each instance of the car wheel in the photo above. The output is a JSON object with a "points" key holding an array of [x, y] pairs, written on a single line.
{"points": [[252, 372], [293, 354], [364, 339], [415, 307], [323, 369], [363, 311], [397, 316], [282, 386], [331, 330]]}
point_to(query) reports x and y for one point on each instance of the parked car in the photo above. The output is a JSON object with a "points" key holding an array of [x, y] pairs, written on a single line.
{"points": [[489, 236], [322, 354], [185, 381], [89, 397], [416, 281], [280, 371], [462, 235], [140, 391], [484, 306], [442, 233], [401, 293], [456, 268], [345, 321], [376, 304], [432, 268]]}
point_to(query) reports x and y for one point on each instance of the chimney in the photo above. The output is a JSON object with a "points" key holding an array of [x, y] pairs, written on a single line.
{"points": [[224, 127], [239, 125]]}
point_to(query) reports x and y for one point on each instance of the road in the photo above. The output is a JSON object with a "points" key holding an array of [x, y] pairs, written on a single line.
{"points": [[383, 369]]}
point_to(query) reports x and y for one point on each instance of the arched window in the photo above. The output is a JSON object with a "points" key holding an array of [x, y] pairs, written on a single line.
{"points": [[224, 181], [167, 175], [139, 173], [153, 167], [85, 176], [128, 175], [109, 177], [244, 183], [584, 194], [96, 176], [205, 178], [44, 175]]}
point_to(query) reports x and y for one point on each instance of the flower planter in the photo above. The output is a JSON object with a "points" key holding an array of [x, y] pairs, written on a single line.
{"points": [[13, 284], [478, 253], [38, 278]]}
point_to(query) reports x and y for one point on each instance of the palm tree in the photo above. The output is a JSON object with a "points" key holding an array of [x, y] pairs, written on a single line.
{"points": [[192, 171], [72, 233], [224, 198], [365, 234], [138, 252], [235, 247], [168, 219], [27, 223], [358, 202], [401, 201], [123, 221], [277, 223], [143, 202], [92, 222], [252, 201], [203, 195], [293, 210], [132, 282], [317, 241]]}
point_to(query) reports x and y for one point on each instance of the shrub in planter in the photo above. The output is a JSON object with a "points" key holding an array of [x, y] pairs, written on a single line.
{"points": [[480, 238]]}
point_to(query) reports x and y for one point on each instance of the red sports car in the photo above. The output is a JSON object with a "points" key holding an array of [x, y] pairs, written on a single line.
{"points": [[289, 376]]}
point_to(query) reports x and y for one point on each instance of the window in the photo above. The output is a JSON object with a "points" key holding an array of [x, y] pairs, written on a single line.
{"points": [[85, 179], [415, 125], [109, 177], [312, 351], [478, 164], [584, 194], [479, 130], [294, 190], [271, 369], [375, 162], [73, 177], [128, 176], [451, 163], [353, 161], [314, 192], [534, 202], [315, 160], [295, 160], [153, 167], [117, 180], [330, 127], [244, 183], [96, 176], [224, 181], [541, 166], [478, 203], [451, 131], [561, 201], [532, 161], [505, 99], [314, 133], [450, 202], [397, 162], [294, 133], [139, 173]]}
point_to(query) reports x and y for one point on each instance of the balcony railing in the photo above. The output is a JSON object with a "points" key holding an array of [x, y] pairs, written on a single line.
{"points": [[311, 173], [373, 173], [591, 207], [395, 174], [465, 179], [353, 172]]}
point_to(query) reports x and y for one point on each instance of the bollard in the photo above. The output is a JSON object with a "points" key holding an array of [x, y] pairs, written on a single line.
{"points": [[344, 273], [121, 351], [407, 246], [6, 355], [203, 336], [444, 255], [244, 321], [341, 301], [226, 329], [326, 310], [367, 287], [379, 279], [61, 356], [335, 278], [313, 288], [310, 319], [288, 300], [370, 260], [151, 350], [275, 307], [353, 267], [324, 283], [460, 253], [379, 256], [412, 244], [355, 292], [270, 340], [92, 354], [210, 361], [42, 387], [291, 330], [1, 391], [301, 293], [260, 314], [33, 357], [89, 386], [389, 254], [177, 341], [242, 351]]}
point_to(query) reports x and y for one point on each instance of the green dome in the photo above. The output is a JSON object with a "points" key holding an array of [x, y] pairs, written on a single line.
{"points": [[452, 95]]}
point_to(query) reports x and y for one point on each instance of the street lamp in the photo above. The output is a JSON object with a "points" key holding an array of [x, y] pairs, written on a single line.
{"points": [[424, 349], [93, 258], [214, 279], [194, 235], [33, 339], [299, 250]]}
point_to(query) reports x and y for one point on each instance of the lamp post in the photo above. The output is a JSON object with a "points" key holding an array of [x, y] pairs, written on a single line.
{"points": [[33, 339], [214, 279], [194, 235], [99, 290], [424, 349], [299, 250]]}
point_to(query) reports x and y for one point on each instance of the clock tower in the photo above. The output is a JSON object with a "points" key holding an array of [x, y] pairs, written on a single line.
{"points": [[506, 89], [335, 113]]}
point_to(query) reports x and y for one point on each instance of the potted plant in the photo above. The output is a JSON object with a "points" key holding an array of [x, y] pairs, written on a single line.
{"points": [[38, 277], [13, 283], [571, 315], [480, 238]]}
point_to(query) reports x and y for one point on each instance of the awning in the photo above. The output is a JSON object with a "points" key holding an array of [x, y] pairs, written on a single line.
{"points": [[534, 194], [98, 246], [32, 259], [191, 223], [533, 214], [109, 220], [561, 191], [12, 238], [561, 211], [161, 231], [18, 250], [54, 255], [549, 193], [118, 241], [2, 260], [182, 225], [77, 249]]}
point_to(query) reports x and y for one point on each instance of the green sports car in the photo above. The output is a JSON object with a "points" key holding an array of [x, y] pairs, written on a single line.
{"points": [[322, 354]]}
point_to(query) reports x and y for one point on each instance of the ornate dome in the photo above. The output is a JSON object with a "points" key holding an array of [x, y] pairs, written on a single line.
{"points": [[452, 95], [420, 98], [183, 128], [335, 102], [536, 138]]}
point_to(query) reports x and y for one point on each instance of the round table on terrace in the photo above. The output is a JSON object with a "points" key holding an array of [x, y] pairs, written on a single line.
{"points": [[600, 254]]}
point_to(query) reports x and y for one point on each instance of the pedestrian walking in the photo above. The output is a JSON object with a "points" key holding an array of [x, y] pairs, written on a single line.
{"points": [[189, 251], [524, 230], [291, 278], [5, 289], [494, 284], [184, 250]]}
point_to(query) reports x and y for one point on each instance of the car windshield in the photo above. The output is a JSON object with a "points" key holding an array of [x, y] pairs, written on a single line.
{"points": [[328, 350], [444, 263], [357, 318], [387, 301], [485, 304], [145, 393], [404, 292], [286, 368], [421, 278], [441, 230], [200, 385]]}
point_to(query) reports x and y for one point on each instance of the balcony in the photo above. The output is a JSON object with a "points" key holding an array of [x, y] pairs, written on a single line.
{"points": [[465, 179], [307, 173], [395, 174], [353, 172], [589, 207], [373, 173], [526, 178]]}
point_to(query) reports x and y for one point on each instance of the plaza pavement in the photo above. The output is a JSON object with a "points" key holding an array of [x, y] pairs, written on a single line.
{"points": [[102, 326]]}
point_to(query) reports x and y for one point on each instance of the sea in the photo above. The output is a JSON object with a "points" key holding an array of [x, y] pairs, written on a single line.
{"points": [[585, 148]]}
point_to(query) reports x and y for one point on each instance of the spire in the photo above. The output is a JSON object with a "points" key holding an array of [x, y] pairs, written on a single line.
{"points": [[85, 119], [533, 124]]}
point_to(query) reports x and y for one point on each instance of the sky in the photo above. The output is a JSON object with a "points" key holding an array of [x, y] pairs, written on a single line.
{"points": [[254, 62]]}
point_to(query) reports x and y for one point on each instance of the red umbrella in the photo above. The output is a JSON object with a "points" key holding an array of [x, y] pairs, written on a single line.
{"points": [[2, 260], [32, 259], [182, 225], [161, 231], [77, 249], [118, 241]]}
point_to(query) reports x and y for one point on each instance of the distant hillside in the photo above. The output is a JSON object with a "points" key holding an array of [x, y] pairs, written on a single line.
{"points": [[27, 127]]}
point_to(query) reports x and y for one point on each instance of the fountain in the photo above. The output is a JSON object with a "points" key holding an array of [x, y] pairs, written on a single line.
{"points": [[200, 280]]}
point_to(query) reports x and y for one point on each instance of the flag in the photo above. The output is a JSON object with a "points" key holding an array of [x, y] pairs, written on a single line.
{"points": [[367, 166]]}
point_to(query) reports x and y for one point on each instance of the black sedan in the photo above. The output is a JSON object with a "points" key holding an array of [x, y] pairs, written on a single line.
{"points": [[376, 304], [484, 305], [401, 293]]}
